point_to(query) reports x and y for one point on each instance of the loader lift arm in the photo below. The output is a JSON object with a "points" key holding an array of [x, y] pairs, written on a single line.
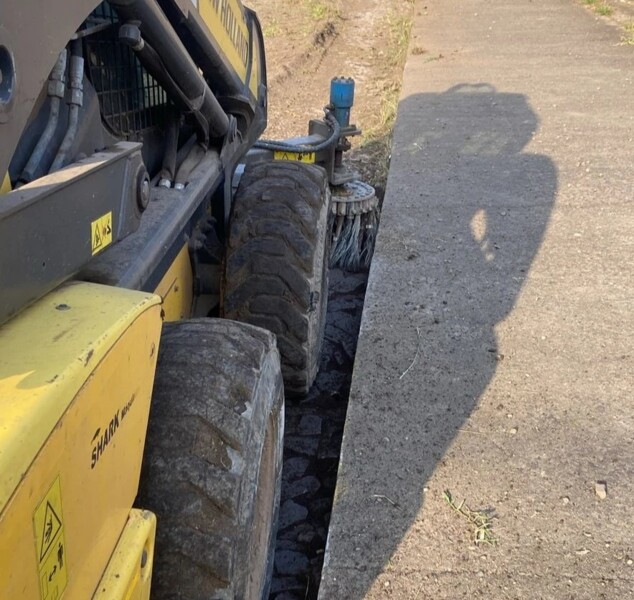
{"points": [[221, 99]]}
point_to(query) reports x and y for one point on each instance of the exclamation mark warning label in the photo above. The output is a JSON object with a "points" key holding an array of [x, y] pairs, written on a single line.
{"points": [[50, 545], [101, 233]]}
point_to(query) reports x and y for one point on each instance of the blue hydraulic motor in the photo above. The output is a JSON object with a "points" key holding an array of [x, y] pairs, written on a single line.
{"points": [[342, 98]]}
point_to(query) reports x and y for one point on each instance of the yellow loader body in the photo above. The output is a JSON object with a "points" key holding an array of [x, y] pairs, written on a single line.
{"points": [[78, 360], [76, 373]]}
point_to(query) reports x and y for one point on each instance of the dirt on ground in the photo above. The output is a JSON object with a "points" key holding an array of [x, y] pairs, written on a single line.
{"points": [[308, 42]]}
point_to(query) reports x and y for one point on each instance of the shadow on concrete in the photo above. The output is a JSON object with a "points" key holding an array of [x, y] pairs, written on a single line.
{"points": [[464, 216]]}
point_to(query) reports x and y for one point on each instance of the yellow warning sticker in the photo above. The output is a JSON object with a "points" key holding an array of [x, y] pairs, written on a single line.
{"points": [[49, 544], [303, 157], [101, 233]]}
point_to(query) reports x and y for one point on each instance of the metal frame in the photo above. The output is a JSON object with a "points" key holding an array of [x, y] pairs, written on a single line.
{"points": [[46, 227], [140, 261]]}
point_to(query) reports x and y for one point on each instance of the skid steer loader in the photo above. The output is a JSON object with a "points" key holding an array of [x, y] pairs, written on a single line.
{"points": [[140, 437]]}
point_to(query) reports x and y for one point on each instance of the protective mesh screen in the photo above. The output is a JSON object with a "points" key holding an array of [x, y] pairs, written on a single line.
{"points": [[131, 99]]}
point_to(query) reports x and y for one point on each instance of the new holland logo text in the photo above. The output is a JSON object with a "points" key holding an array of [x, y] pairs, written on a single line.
{"points": [[230, 21]]}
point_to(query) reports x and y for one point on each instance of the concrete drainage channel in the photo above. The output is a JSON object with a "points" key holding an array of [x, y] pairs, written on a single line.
{"points": [[314, 427]]}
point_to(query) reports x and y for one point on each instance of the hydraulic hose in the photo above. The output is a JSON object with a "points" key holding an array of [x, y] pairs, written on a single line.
{"points": [[56, 88], [190, 162], [76, 76], [131, 34], [168, 170], [279, 146]]}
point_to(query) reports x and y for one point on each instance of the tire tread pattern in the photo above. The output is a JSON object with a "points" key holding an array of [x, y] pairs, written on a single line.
{"points": [[274, 273], [209, 410]]}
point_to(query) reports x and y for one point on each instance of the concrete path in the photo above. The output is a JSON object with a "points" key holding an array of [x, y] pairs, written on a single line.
{"points": [[496, 354]]}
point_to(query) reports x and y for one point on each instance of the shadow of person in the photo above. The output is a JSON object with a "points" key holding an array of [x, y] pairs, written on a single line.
{"points": [[464, 216]]}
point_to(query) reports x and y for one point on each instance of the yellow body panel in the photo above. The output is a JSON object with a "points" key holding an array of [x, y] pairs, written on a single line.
{"points": [[227, 24], [177, 288], [5, 186], [46, 354], [256, 75], [77, 372], [129, 572]]}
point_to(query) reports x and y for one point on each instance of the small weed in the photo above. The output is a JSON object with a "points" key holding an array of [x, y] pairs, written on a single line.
{"points": [[479, 520], [272, 30], [418, 50], [628, 38], [320, 10], [389, 105], [599, 7], [435, 57]]}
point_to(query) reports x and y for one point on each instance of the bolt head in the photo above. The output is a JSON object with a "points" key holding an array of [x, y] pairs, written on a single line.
{"points": [[143, 189]]}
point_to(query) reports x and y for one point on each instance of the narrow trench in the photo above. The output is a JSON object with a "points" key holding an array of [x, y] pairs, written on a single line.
{"points": [[312, 442]]}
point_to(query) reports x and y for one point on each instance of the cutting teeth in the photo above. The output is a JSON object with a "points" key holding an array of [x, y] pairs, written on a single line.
{"points": [[354, 198], [351, 209]]}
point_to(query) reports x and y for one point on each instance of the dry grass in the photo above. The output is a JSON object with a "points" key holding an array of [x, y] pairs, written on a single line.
{"points": [[479, 520], [377, 142]]}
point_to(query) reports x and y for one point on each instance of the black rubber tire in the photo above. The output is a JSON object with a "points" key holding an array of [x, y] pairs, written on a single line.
{"points": [[213, 460], [276, 268]]}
